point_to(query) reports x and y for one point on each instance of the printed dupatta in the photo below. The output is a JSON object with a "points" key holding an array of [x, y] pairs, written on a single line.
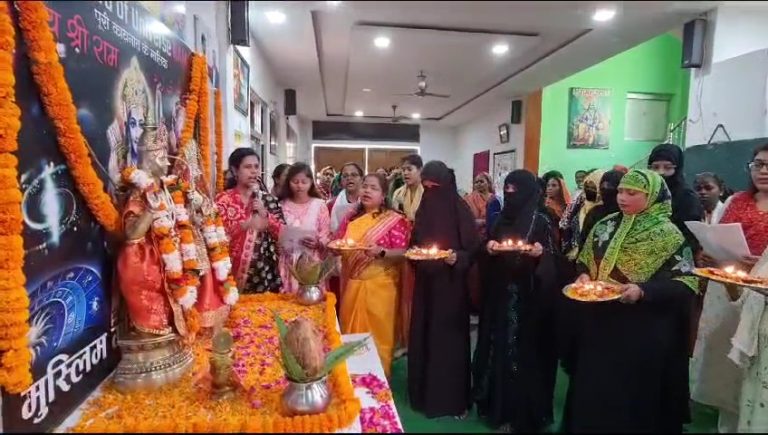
{"points": [[632, 248]]}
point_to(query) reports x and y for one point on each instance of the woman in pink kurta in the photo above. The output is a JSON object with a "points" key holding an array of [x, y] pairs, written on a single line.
{"points": [[303, 209]]}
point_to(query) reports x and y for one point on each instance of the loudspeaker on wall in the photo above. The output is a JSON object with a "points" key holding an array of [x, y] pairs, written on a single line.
{"points": [[694, 33], [290, 102], [238, 23], [517, 112]]}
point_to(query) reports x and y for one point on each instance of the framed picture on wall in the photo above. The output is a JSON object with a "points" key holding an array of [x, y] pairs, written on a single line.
{"points": [[241, 79], [272, 133], [503, 163], [504, 133], [589, 118]]}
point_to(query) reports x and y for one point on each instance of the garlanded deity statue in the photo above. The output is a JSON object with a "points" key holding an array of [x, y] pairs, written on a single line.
{"points": [[132, 113], [149, 266], [217, 291]]}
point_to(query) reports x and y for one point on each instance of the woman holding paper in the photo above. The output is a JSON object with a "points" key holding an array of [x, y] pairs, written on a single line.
{"points": [[717, 380], [630, 373], [307, 221], [370, 278]]}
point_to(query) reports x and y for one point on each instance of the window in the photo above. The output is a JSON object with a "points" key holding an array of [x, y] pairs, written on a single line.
{"points": [[647, 117]]}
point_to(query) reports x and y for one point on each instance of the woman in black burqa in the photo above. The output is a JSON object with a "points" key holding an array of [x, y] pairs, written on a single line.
{"points": [[439, 346], [515, 361]]}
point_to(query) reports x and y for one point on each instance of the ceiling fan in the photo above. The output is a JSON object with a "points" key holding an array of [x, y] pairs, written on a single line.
{"points": [[395, 117], [421, 90]]}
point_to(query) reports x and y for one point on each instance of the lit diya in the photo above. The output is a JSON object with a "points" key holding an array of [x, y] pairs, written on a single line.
{"points": [[346, 245], [593, 291], [426, 254], [732, 275], [512, 246]]}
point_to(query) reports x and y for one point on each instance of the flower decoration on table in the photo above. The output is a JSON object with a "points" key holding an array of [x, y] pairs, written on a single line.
{"points": [[427, 254], [57, 101], [15, 358], [382, 417], [187, 406], [593, 291]]}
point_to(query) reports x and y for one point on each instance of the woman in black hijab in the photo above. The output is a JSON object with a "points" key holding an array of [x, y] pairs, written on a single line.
{"points": [[515, 361], [439, 347], [667, 160], [609, 185]]}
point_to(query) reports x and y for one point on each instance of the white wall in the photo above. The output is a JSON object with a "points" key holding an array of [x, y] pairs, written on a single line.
{"points": [[483, 134], [262, 80], [731, 88]]}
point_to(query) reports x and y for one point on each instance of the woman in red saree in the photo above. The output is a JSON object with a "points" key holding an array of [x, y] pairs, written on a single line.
{"points": [[371, 278], [253, 249]]}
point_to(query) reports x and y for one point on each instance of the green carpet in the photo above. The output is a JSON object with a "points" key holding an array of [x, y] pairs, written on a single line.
{"points": [[704, 418]]}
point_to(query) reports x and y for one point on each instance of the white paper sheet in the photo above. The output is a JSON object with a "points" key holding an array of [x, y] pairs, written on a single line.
{"points": [[723, 242], [290, 237]]}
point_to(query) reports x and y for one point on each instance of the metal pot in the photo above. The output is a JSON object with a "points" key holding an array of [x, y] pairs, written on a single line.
{"points": [[310, 295], [306, 398]]}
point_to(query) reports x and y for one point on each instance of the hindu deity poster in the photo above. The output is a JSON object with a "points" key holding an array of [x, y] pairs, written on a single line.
{"points": [[126, 71], [589, 118]]}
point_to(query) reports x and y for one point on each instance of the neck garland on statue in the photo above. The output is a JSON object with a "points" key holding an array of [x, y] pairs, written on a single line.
{"points": [[168, 199]]}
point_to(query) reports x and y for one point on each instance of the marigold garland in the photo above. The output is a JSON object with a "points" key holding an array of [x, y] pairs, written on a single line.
{"points": [[191, 100], [205, 124], [187, 407], [218, 131], [15, 360], [58, 103]]}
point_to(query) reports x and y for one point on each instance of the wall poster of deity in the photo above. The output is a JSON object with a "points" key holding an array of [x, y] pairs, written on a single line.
{"points": [[589, 118], [124, 76], [241, 72]]}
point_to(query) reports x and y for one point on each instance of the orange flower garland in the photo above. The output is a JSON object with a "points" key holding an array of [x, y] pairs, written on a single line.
{"points": [[186, 405], [16, 360], [57, 101], [205, 124], [191, 100], [218, 131]]}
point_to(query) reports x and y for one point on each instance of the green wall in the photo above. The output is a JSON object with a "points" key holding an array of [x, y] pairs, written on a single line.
{"points": [[653, 66]]}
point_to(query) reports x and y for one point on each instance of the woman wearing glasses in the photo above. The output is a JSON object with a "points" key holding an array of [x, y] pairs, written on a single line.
{"points": [[718, 380]]}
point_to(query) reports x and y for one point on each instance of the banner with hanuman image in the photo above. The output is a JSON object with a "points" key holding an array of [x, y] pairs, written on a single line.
{"points": [[126, 71]]}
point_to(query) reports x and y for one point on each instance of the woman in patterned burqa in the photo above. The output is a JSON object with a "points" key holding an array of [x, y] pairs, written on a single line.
{"points": [[515, 361]]}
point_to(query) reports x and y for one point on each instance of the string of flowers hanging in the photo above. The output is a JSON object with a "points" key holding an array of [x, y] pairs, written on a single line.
{"points": [[57, 101], [16, 360], [218, 131]]}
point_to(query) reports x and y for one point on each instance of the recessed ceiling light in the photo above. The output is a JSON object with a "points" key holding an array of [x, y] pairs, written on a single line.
{"points": [[604, 14], [359, 113], [381, 42], [333, 3], [275, 17], [415, 115], [500, 49], [366, 90]]}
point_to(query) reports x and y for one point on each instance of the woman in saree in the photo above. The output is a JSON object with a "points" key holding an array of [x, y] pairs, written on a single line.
{"points": [[557, 196], [252, 248], [439, 346], [478, 205], [371, 278], [515, 361], [631, 369]]}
